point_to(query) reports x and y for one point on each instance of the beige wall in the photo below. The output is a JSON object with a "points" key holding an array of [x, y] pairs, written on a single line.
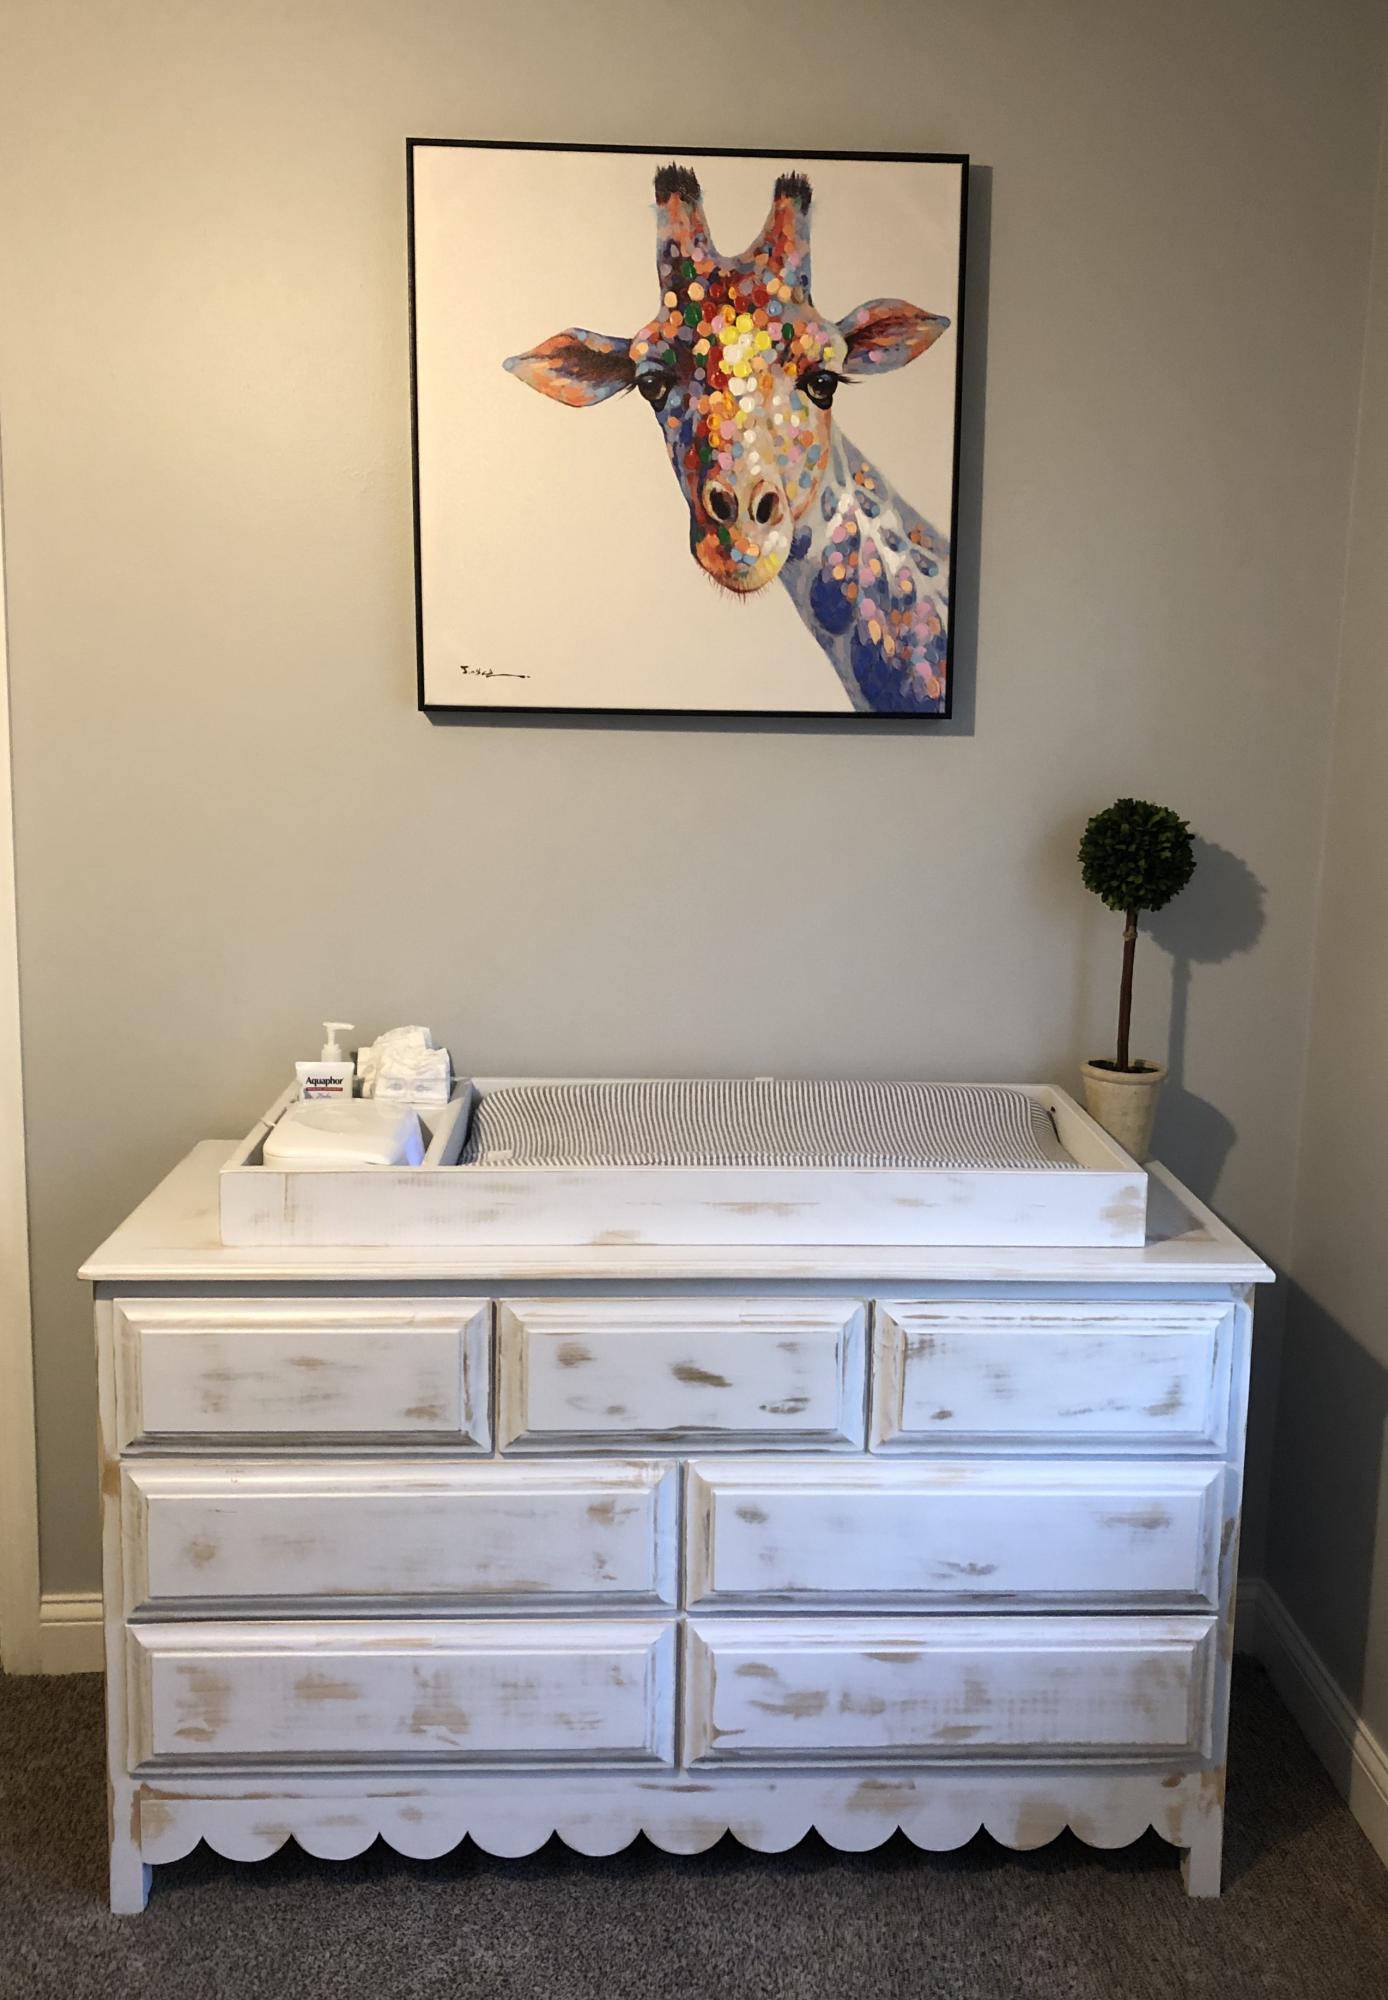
{"points": [[231, 819], [1328, 1555]]}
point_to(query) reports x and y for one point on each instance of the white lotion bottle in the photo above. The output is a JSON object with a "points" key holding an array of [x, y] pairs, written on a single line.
{"points": [[334, 1074]]}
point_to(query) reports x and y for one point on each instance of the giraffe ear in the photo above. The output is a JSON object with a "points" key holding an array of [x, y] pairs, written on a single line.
{"points": [[887, 333], [577, 367]]}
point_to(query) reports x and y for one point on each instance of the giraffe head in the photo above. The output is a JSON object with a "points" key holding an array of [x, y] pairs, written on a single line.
{"points": [[740, 371]]}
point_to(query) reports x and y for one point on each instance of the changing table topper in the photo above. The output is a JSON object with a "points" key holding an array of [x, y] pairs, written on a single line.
{"points": [[554, 1161]]}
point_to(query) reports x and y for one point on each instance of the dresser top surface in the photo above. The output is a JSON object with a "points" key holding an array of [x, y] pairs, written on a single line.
{"points": [[172, 1237]]}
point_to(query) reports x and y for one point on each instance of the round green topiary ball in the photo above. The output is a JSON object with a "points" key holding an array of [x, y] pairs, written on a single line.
{"points": [[1136, 856]]}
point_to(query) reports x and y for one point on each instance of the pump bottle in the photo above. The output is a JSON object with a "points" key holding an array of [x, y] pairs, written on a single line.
{"points": [[333, 1074]]}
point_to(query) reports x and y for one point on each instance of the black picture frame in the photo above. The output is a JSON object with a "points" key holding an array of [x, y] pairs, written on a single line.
{"points": [[442, 710]]}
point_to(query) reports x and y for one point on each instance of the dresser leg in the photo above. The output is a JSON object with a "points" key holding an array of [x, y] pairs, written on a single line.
{"points": [[130, 1875], [130, 1879], [1201, 1861]]}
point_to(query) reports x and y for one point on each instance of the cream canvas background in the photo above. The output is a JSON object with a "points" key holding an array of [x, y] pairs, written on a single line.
{"points": [[556, 541]]}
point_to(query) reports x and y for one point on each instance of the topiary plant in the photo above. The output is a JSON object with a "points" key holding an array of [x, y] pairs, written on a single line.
{"points": [[1134, 856]]}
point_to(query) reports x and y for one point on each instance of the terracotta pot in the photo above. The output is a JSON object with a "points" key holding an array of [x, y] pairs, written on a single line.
{"points": [[1124, 1102]]}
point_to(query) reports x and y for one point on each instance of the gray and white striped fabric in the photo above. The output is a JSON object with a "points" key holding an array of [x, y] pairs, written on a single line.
{"points": [[743, 1123]]}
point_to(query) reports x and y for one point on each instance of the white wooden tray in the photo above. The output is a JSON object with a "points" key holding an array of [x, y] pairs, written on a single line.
{"points": [[1100, 1203]]}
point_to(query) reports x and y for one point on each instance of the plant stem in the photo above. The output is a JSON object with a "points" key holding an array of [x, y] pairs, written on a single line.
{"points": [[1125, 989]]}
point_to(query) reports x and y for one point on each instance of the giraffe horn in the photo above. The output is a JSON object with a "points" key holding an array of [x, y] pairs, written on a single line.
{"points": [[784, 243], [681, 227]]}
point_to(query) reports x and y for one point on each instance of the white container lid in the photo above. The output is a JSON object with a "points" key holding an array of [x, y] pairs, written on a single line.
{"points": [[345, 1132]]}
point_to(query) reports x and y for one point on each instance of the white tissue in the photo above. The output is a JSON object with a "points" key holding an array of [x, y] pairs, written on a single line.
{"points": [[369, 1057], [404, 1067], [345, 1132]]}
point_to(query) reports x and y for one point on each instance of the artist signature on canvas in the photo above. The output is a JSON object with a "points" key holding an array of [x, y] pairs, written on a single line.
{"points": [[491, 674]]}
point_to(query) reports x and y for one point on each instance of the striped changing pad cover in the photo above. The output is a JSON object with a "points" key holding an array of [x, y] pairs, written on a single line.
{"points": [[776, 1123]]}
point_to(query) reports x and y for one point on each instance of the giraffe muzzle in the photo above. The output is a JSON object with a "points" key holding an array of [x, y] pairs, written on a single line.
{"points": [[744, 542]]}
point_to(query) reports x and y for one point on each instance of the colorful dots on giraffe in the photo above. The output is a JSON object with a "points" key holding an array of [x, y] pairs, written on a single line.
{"points": [[741, 371], [738, 335]]}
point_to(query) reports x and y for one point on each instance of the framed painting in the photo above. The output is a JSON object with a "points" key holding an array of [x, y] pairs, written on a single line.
{"points": [[658, 466]]}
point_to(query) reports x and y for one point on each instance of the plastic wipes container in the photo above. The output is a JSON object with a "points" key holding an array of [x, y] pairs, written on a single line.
{"points": [[345, 1132]]}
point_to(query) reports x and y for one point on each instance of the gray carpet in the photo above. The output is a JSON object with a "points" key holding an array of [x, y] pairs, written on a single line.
{"points": [[1304, 1914]]}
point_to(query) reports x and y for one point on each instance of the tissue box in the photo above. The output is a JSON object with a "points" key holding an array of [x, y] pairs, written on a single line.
{"points": [[404, 1067]]}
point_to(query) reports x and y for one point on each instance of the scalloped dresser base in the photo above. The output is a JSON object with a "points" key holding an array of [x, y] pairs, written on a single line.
{"points": [[852, 1811]]}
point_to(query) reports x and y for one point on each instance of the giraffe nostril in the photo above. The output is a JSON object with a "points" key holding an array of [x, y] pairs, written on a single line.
{"points": [[766, 508], [721, 503]]}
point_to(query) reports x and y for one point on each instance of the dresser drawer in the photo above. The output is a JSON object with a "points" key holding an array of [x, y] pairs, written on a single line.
{"points": [[868, 1534], [252, 1533], [488, 1692], [241, 1369], [653, 1373], [809, 1691], [1076, 1373]]}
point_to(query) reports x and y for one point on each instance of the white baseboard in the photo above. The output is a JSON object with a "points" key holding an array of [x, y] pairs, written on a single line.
{"points": [[1348, 1748], [70, 1632]]}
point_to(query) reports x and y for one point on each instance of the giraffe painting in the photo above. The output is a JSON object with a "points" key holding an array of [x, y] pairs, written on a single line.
{"points": [[742, 374], [748, 381]]}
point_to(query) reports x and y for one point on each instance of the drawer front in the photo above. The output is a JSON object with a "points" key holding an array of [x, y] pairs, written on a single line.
{"points": [[671, 1373], [315, 1368], [198, 1534], [810, 1691], [1047, 1372], [866, 1534], [494, 1692]]}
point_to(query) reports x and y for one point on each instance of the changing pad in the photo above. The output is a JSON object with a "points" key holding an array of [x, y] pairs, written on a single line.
{"points": [[781, 1123]]}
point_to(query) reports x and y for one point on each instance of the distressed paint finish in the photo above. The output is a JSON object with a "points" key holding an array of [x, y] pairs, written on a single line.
{"points": [[314, 1368], [914, 1690], [362, 1531], [864, 1533], [1078, 1373], [174, 1237], [319, 1716], [128, 1869], [491, 1692], [663, 1372], [600, 1813]]}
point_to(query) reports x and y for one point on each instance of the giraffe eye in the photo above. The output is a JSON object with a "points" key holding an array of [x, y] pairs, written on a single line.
{"points": [[655, 388], [819, 385]]}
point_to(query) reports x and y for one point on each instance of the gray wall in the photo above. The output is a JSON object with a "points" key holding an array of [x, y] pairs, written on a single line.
{"points": [[230, 818], [1328, 1555]]}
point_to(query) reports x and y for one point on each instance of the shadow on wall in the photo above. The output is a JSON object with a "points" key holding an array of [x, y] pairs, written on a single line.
{"points": [[1327, 1482], [1218, 916]]}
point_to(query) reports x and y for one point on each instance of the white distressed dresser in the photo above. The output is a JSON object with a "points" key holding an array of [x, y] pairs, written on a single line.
{"points": [[422, 1544]]}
